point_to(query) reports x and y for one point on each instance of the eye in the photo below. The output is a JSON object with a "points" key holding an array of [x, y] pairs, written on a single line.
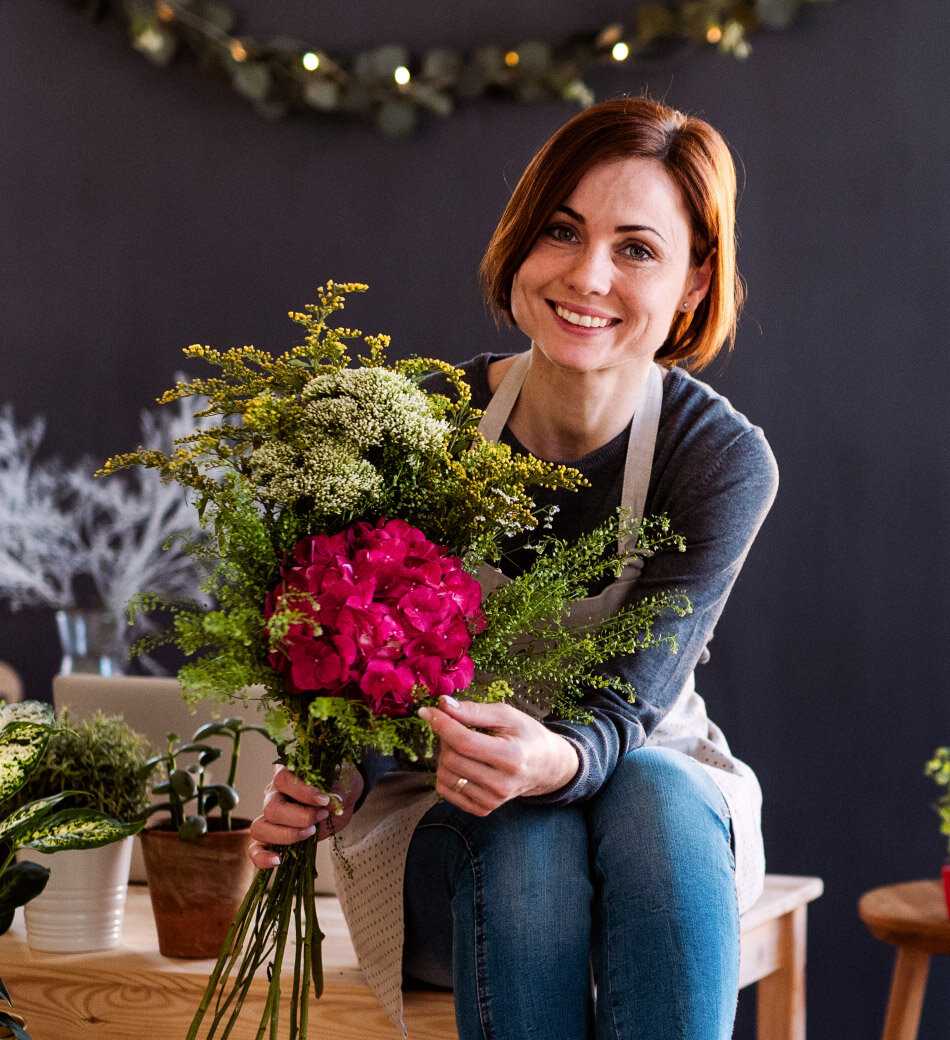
{"points": [[553, 229], [642, 253]]}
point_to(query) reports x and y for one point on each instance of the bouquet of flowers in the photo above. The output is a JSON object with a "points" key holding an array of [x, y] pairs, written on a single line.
{"points": [[347, 512]]}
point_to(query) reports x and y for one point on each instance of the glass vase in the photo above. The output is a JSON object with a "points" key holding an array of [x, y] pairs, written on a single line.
{"points": [[91, 642]]}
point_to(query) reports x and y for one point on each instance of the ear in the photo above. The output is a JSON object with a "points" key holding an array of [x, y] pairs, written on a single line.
{"points": [[698, 281]]}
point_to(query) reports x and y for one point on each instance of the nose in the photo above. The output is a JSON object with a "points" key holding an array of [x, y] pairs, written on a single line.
{"points": [[591, 271]]}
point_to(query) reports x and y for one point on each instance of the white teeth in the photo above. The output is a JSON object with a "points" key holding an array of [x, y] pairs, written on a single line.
{"points": [[581, 319]]}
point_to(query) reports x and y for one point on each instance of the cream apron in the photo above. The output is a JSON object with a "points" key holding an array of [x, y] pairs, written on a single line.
{"points": [[377, 839]]}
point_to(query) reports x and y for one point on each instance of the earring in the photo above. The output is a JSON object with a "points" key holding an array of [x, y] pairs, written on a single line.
{"points": [[684, 305]]}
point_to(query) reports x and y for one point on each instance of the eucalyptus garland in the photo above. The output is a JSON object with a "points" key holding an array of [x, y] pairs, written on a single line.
{"points": [[391, 86]]}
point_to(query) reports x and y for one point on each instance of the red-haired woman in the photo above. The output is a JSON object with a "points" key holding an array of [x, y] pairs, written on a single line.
{"points": [[569, 880]]}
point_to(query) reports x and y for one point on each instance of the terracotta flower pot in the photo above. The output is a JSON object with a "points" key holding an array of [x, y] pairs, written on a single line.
{"points": [[196, 887], [946, 885]]}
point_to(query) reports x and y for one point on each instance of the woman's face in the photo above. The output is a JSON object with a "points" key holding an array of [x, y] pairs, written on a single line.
{"points": [[617, 249]]}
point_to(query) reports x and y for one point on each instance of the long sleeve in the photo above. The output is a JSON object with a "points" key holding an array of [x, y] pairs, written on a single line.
{"points": [[717, 503]]}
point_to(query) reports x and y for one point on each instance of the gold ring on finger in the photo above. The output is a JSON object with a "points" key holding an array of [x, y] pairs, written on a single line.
{"points": [[459, 784]]}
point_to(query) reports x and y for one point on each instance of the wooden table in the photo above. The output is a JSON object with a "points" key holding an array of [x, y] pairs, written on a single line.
{"points": [[132, 991], [913, 917]]}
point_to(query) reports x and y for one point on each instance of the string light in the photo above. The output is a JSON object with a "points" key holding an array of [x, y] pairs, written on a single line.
{"points": [[159, 28]]}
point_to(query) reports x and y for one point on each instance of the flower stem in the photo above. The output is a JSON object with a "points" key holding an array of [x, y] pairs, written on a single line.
{"points": [[238, 927]]}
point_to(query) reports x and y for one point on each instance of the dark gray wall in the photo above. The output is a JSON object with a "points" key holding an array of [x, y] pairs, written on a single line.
{"points": [[141, 210]]}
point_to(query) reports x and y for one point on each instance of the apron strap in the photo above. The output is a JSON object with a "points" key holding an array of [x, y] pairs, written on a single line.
{"points": [[640, 446]]}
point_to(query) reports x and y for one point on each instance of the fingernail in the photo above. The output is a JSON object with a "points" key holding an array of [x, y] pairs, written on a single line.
{"points": [[308, 832], [424, 714], [450, 701]]}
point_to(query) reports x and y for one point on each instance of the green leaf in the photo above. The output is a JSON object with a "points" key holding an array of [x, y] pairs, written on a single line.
{"points": [[183, 784], [210, 729], [534, 57], [78, 829], [322, 94], [20, 883], [227, 797], [22, 745], [252, 79], [264, 732], [26, 711], [151, 763], [33, 812], [207, 757], [777, 14], [218, 14], [441, 64], [194, 747], [193, 828]]}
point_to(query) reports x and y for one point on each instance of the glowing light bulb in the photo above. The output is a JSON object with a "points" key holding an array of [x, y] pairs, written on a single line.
{"points": [[713, 34], [165, 12], [402, 75], [310, 61], [620, 51], [238, 51], [512, 58]]}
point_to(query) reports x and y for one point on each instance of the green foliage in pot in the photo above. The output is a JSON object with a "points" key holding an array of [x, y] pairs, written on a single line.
{"points": [[43, 824], [938, 768], [193, 783], [101, 756]]}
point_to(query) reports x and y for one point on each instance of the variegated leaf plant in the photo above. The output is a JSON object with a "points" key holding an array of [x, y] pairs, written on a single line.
{"points": [[41, 824]]}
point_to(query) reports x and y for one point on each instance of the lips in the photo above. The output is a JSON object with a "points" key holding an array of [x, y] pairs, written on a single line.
{"points": [[580, 329], [581, 310]]}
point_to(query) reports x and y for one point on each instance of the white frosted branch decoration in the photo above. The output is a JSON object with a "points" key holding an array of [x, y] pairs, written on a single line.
{"points": [[124, 534]]}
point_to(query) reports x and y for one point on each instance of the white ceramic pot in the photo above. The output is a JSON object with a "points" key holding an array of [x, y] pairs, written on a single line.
{"points": [[83, 903]]}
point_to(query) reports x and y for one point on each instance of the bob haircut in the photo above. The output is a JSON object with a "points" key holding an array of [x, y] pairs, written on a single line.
{"points": [[695, 156]]}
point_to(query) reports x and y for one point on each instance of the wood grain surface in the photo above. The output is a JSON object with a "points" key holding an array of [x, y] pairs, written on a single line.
{"points": [[132, 991]]}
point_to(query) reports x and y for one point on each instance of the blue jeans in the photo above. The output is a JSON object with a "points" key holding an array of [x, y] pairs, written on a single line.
{"points": [[614, 918]]}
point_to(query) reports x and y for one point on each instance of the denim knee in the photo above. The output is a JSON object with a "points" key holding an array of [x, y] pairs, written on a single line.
{"points": [[660, 815]]}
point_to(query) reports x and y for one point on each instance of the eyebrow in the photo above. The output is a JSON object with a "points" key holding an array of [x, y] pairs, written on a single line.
{"points": [[621, 227]]}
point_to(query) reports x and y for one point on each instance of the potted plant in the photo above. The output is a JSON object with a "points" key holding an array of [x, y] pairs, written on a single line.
{"points": [[196, 857], [43, 824], [102, 757], [938, 768]]}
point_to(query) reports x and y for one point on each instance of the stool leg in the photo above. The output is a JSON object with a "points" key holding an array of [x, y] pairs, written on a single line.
{"points": [[908, 984], [780, 997]]}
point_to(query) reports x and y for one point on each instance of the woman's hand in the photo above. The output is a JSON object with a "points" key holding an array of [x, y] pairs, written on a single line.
{"points": [[293, 811], [515, 756]]}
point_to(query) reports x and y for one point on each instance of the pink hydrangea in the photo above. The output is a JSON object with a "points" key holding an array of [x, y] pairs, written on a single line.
{"points": [[396, 612]]}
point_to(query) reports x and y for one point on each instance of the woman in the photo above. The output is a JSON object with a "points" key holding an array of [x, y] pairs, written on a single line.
{"points": [[554, 855]]}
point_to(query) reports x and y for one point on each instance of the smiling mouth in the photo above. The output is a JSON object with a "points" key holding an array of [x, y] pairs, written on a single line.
{"points": [[590, 319]]}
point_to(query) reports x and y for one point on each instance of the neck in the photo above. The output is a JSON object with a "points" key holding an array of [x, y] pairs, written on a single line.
{"points": [[564, 414]]}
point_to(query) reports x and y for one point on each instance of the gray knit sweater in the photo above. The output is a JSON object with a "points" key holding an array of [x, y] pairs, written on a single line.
{"points": [[715, 476]]}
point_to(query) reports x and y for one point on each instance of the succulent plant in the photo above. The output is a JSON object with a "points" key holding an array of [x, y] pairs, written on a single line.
{"points": [[184, 785]]}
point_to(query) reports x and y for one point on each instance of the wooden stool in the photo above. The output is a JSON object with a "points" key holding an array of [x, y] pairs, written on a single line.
{"points": [[913, 917]]}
